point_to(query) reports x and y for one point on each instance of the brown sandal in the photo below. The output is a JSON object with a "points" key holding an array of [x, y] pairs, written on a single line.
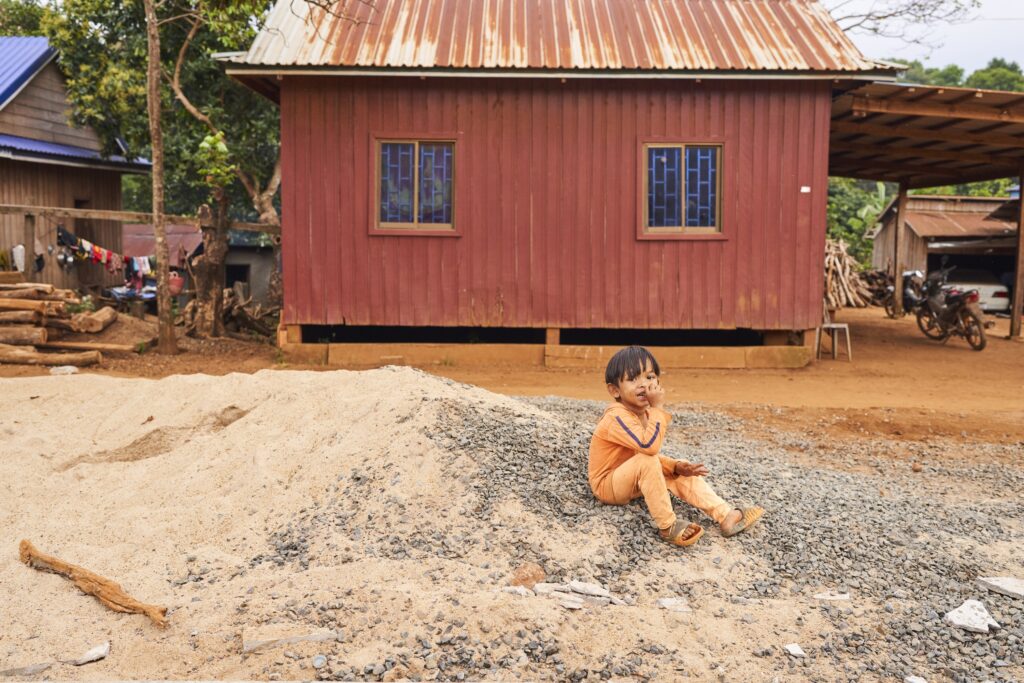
{"points": [[749, 517], [682, 534]]}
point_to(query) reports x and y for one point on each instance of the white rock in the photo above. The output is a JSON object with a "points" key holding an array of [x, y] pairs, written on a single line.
{"points": [[273, 636], [914, 679], [596, 602], [589, 589], [795, 650], [94, 655], [829, 595], [618, 602], [64, 370], [548, 588], [673, 604], [971, 616], [1005, 585], [518, 590], [569, 601], [30, 670]]}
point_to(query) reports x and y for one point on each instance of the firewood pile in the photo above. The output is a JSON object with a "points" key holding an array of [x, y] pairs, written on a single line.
{"points": [[34, 317], [877, 282], [844, 286], [241, 317]]}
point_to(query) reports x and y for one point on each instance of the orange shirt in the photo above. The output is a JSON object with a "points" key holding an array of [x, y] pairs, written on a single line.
{"points": [[620, 435]]}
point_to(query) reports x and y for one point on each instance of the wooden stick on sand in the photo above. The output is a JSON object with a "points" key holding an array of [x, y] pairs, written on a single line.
{"points": [[105, 590]]}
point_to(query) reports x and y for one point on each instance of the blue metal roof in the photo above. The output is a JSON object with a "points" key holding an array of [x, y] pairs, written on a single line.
{"points": [[21, 58], [14, 147]]}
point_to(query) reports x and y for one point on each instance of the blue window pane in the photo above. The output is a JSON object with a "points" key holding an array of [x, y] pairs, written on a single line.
{"points": [[664, 201], [701, 186], [435, 182], [396, 182]]}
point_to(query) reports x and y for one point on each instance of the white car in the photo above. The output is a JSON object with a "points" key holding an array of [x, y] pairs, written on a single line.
{"points": [[993, 296]]}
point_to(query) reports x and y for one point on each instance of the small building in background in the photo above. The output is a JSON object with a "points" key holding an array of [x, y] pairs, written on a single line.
{"points": [[45, 161], [250, 261], [975, 233]]}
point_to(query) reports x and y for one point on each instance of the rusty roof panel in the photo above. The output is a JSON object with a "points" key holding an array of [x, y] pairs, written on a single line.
{"points": [[957, 224], [562, 35]]}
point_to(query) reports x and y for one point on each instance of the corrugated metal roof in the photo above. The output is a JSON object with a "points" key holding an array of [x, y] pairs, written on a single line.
{"points": [[13, 146], [21, 58], [958, 224], [561, 35], [138, 239]]}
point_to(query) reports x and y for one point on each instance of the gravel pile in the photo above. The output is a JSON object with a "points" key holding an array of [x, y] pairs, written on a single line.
{"points": [[518, 493]]}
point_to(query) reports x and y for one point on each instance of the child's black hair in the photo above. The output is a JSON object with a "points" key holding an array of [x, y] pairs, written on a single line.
{"points": [[629, 363]]}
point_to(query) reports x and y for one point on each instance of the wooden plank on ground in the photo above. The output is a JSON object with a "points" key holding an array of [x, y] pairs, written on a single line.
{"points": [[90, 346]]}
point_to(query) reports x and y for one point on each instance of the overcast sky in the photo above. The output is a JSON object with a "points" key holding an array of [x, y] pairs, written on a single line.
{"points": [[997, 31]]}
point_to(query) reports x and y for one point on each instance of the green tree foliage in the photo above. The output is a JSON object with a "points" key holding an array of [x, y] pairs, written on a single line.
{"points": [[21, 18], [998, 75], [854, 207], [916, 72], [102, 46]]}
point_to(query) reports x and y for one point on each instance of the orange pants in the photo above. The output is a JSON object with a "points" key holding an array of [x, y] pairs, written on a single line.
{"points": [[642, 475]]}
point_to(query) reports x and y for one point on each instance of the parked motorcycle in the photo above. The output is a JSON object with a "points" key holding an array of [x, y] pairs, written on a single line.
{"points": [[913, 281], [948, 311]]}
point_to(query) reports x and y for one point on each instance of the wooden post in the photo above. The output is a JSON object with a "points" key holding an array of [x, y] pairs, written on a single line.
{"points": [[897, 242], [1018, 275], [553, 336], [30, 243]]}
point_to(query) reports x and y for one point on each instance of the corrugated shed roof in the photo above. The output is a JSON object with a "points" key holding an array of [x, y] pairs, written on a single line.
{"points": [[958, 224], [17, 147], [138, 239], [21, 58], [561, 35]]}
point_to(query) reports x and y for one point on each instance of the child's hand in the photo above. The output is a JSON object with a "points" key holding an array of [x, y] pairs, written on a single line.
{"points": [[656, 395], [690, 469]]}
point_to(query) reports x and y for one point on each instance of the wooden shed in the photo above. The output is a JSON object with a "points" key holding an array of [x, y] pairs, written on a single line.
{"points": [[976, 232], [45, 161], [567, 165]]}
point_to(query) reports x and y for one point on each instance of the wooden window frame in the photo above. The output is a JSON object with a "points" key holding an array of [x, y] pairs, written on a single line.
{"points": [[705, 233], [414, 229]]}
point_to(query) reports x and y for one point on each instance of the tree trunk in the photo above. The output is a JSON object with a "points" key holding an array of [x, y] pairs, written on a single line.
{"points": [[208, 269], [167, 344], [20, 355]]}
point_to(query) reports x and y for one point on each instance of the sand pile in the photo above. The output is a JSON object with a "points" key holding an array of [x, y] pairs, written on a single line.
{"points": [[297, 500]]}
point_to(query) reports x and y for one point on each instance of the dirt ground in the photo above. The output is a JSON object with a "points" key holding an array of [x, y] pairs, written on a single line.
{"points": [[900, 384]]}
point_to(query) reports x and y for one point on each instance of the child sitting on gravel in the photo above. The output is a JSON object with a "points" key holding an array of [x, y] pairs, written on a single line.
{"points": [[624, 459]]}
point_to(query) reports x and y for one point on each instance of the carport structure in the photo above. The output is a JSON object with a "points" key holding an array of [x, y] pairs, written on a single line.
{"points": [[928, 136]]}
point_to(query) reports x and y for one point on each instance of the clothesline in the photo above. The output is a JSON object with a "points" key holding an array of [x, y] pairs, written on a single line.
{"points": [[134, 266]]}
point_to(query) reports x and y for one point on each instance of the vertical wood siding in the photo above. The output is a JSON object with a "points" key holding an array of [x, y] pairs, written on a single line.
{"points": [[547, 201], [52, 185]]}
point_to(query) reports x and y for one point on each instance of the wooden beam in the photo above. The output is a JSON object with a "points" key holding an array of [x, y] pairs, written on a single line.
{"points": [[29, 238], [553, 336], [1018, 276], [899, 235], [925, 153], [970, 112], [126, 217], [893, 169], [912, 133]]}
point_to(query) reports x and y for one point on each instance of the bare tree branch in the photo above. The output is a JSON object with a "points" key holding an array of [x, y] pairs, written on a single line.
{"points": [[908, 20]]}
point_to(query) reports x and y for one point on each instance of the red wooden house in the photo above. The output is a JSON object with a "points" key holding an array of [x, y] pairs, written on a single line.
{"points": [[566, 164]]}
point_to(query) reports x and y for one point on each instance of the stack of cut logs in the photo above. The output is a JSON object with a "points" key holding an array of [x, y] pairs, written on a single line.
{"points": [[843, 283], [33, 316]]}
